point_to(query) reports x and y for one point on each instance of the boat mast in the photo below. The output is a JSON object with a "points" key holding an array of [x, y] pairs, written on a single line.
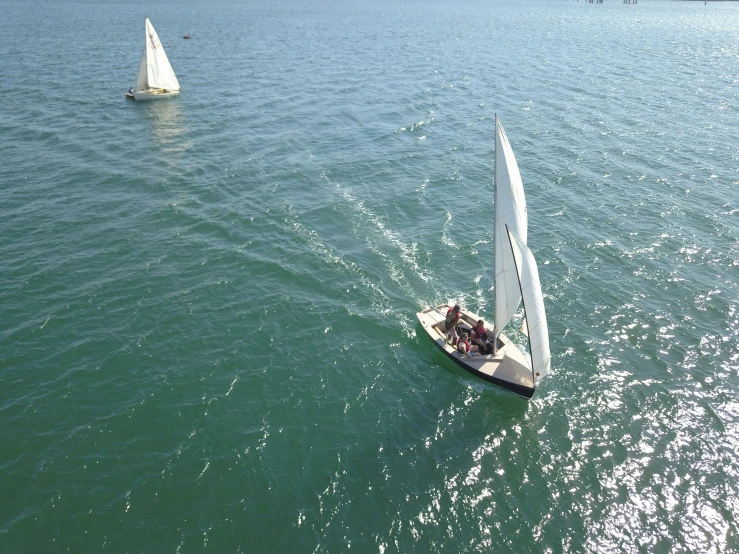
{"points": [[496, 331]]}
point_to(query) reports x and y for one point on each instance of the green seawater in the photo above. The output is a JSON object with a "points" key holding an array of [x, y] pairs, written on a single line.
{"points": [[208, 339]]}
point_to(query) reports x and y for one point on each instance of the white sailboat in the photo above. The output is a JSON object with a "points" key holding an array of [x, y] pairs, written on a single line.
{"points": [[156, 77], [516, 279]]}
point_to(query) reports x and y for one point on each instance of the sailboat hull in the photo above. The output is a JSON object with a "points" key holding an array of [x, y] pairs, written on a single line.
{"points": [[154, 94], [508, 368]]}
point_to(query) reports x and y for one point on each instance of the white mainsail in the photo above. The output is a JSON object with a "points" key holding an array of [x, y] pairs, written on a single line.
{"points": [[527, 274], [159, 72], [510, 210]]}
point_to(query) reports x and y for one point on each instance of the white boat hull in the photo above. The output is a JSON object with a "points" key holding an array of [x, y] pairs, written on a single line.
{"points": [[508, 368], [154, 94]]}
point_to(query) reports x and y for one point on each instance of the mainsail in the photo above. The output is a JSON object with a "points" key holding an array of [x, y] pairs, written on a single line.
{"points": [[510, 210], [159, 72], [527, 274]]}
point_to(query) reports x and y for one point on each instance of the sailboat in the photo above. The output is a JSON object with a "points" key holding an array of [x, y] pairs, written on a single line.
{"points": [[156, 77], [516, 279]]}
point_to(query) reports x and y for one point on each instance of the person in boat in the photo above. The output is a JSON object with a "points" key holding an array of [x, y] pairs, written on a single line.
{"points": [[452, 319], [465, 346], [130, 91], [479, 337]]}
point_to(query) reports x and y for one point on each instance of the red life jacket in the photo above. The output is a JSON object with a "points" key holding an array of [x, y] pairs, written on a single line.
{"points": [[479, 332], [454, 321]]}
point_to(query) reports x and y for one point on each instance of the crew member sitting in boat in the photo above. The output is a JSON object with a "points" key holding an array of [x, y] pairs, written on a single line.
{"points": [[465, 346], [480, 338], [452, 319]]}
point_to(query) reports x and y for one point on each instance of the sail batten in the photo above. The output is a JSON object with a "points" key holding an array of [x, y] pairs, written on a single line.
{"points": [[510, 210]]}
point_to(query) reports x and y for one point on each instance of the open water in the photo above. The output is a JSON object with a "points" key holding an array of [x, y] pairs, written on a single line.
{"points": [[208, 339]]}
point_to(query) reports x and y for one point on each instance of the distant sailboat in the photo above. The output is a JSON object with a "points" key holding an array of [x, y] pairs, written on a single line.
{"points": [[156, 77], [516, 279]]}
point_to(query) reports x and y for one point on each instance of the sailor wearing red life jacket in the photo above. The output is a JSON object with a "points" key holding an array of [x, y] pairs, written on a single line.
{"points": [[465, 347], [478, 330], [452, 318], [480, 338]]}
